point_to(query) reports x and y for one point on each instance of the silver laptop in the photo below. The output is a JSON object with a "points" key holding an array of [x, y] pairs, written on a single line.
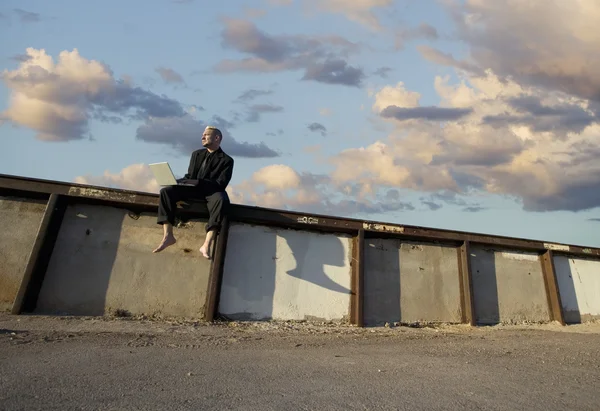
{"points": [[164, 175]]}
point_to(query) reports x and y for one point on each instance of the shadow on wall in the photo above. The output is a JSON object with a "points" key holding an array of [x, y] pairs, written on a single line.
{"points": [[77, 278], [311, 258], [259, 267], [566, 285], [485, 286]]}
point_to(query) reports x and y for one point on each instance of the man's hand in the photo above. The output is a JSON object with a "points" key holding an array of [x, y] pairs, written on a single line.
{"points": [[187, 181]]}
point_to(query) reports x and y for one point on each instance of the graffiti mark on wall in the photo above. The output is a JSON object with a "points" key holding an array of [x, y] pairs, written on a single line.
{"points": [[383, 227], [308, 220]]}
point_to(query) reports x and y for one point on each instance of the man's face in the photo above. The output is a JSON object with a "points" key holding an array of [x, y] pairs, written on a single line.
{"points": [[209, 139]]}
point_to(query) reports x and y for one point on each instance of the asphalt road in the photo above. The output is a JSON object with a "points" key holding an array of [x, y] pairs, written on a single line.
{"points": [[95, 364]]}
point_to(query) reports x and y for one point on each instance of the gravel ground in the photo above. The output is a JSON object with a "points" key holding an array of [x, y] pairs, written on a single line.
{"points": [[85, 363]]}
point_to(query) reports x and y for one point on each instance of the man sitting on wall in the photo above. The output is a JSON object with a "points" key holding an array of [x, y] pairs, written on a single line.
{"points": [[208, 175]]}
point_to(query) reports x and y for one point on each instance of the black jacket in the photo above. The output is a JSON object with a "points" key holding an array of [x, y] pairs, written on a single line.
{"points": [[217, 172]]}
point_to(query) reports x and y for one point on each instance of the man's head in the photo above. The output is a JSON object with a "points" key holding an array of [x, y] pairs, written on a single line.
{"points": [[211, 138]]}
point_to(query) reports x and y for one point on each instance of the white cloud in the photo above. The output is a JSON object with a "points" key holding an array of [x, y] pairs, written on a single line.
{"points": [[137, 177], [58, 100], [278, 177], [510, 139], [395, 96], [280, 186]]}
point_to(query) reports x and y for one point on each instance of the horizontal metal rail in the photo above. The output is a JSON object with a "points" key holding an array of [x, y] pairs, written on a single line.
{"points": [[11, 185]]}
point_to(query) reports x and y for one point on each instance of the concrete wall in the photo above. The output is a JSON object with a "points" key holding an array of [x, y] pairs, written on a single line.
{"points": [[284, 274], [508, 287], [579, 285], [103, 261], [20, 220], [410, 281]]}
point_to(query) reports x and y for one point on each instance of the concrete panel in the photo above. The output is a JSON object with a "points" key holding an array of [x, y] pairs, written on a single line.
{"points": [[20, 220], [508, 287], [579, 285], [103, 261], [285, 274], [410, 282]]}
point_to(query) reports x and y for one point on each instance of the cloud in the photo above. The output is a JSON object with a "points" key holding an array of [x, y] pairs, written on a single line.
{"points": [[137, 177], [170, 76], [474, 209], [395, 102], [322, 58], [594, 219], [184, 135], [252, 94], [273, 134], [21, 58], [426, 113], [58, 100], [383, 71], [360, 11], [395, 96], [255, 111], [446, 59], [318, 128], [488, 135], [432, 206], [27, 16], [280, 186], [422, 31], [325, 111], [436, 200], [453, 157], [334, 72], [556, 50]]}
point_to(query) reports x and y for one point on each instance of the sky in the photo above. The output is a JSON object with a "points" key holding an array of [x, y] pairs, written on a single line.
{"points": [[468, 115]]}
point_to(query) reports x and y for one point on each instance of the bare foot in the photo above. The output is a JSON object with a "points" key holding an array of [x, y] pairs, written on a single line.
{"points": [[166, 242], [205, 252]]}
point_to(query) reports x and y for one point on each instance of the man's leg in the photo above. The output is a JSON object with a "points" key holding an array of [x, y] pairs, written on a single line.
{"points": [[167, 207], [217, 204]]}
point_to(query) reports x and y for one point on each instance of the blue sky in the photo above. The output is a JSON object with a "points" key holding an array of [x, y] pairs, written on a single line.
{"points": [[469, 115]]}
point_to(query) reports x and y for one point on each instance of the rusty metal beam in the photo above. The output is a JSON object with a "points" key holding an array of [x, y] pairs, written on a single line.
{"points": [[39, 257], [286, 219], [257, 215], [358, 264], [450, 236], [216, 272], [552, 290], [467, 300]]}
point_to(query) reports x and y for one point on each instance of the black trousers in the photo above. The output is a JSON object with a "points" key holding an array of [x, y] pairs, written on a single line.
{"points": [[217, 203]]}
